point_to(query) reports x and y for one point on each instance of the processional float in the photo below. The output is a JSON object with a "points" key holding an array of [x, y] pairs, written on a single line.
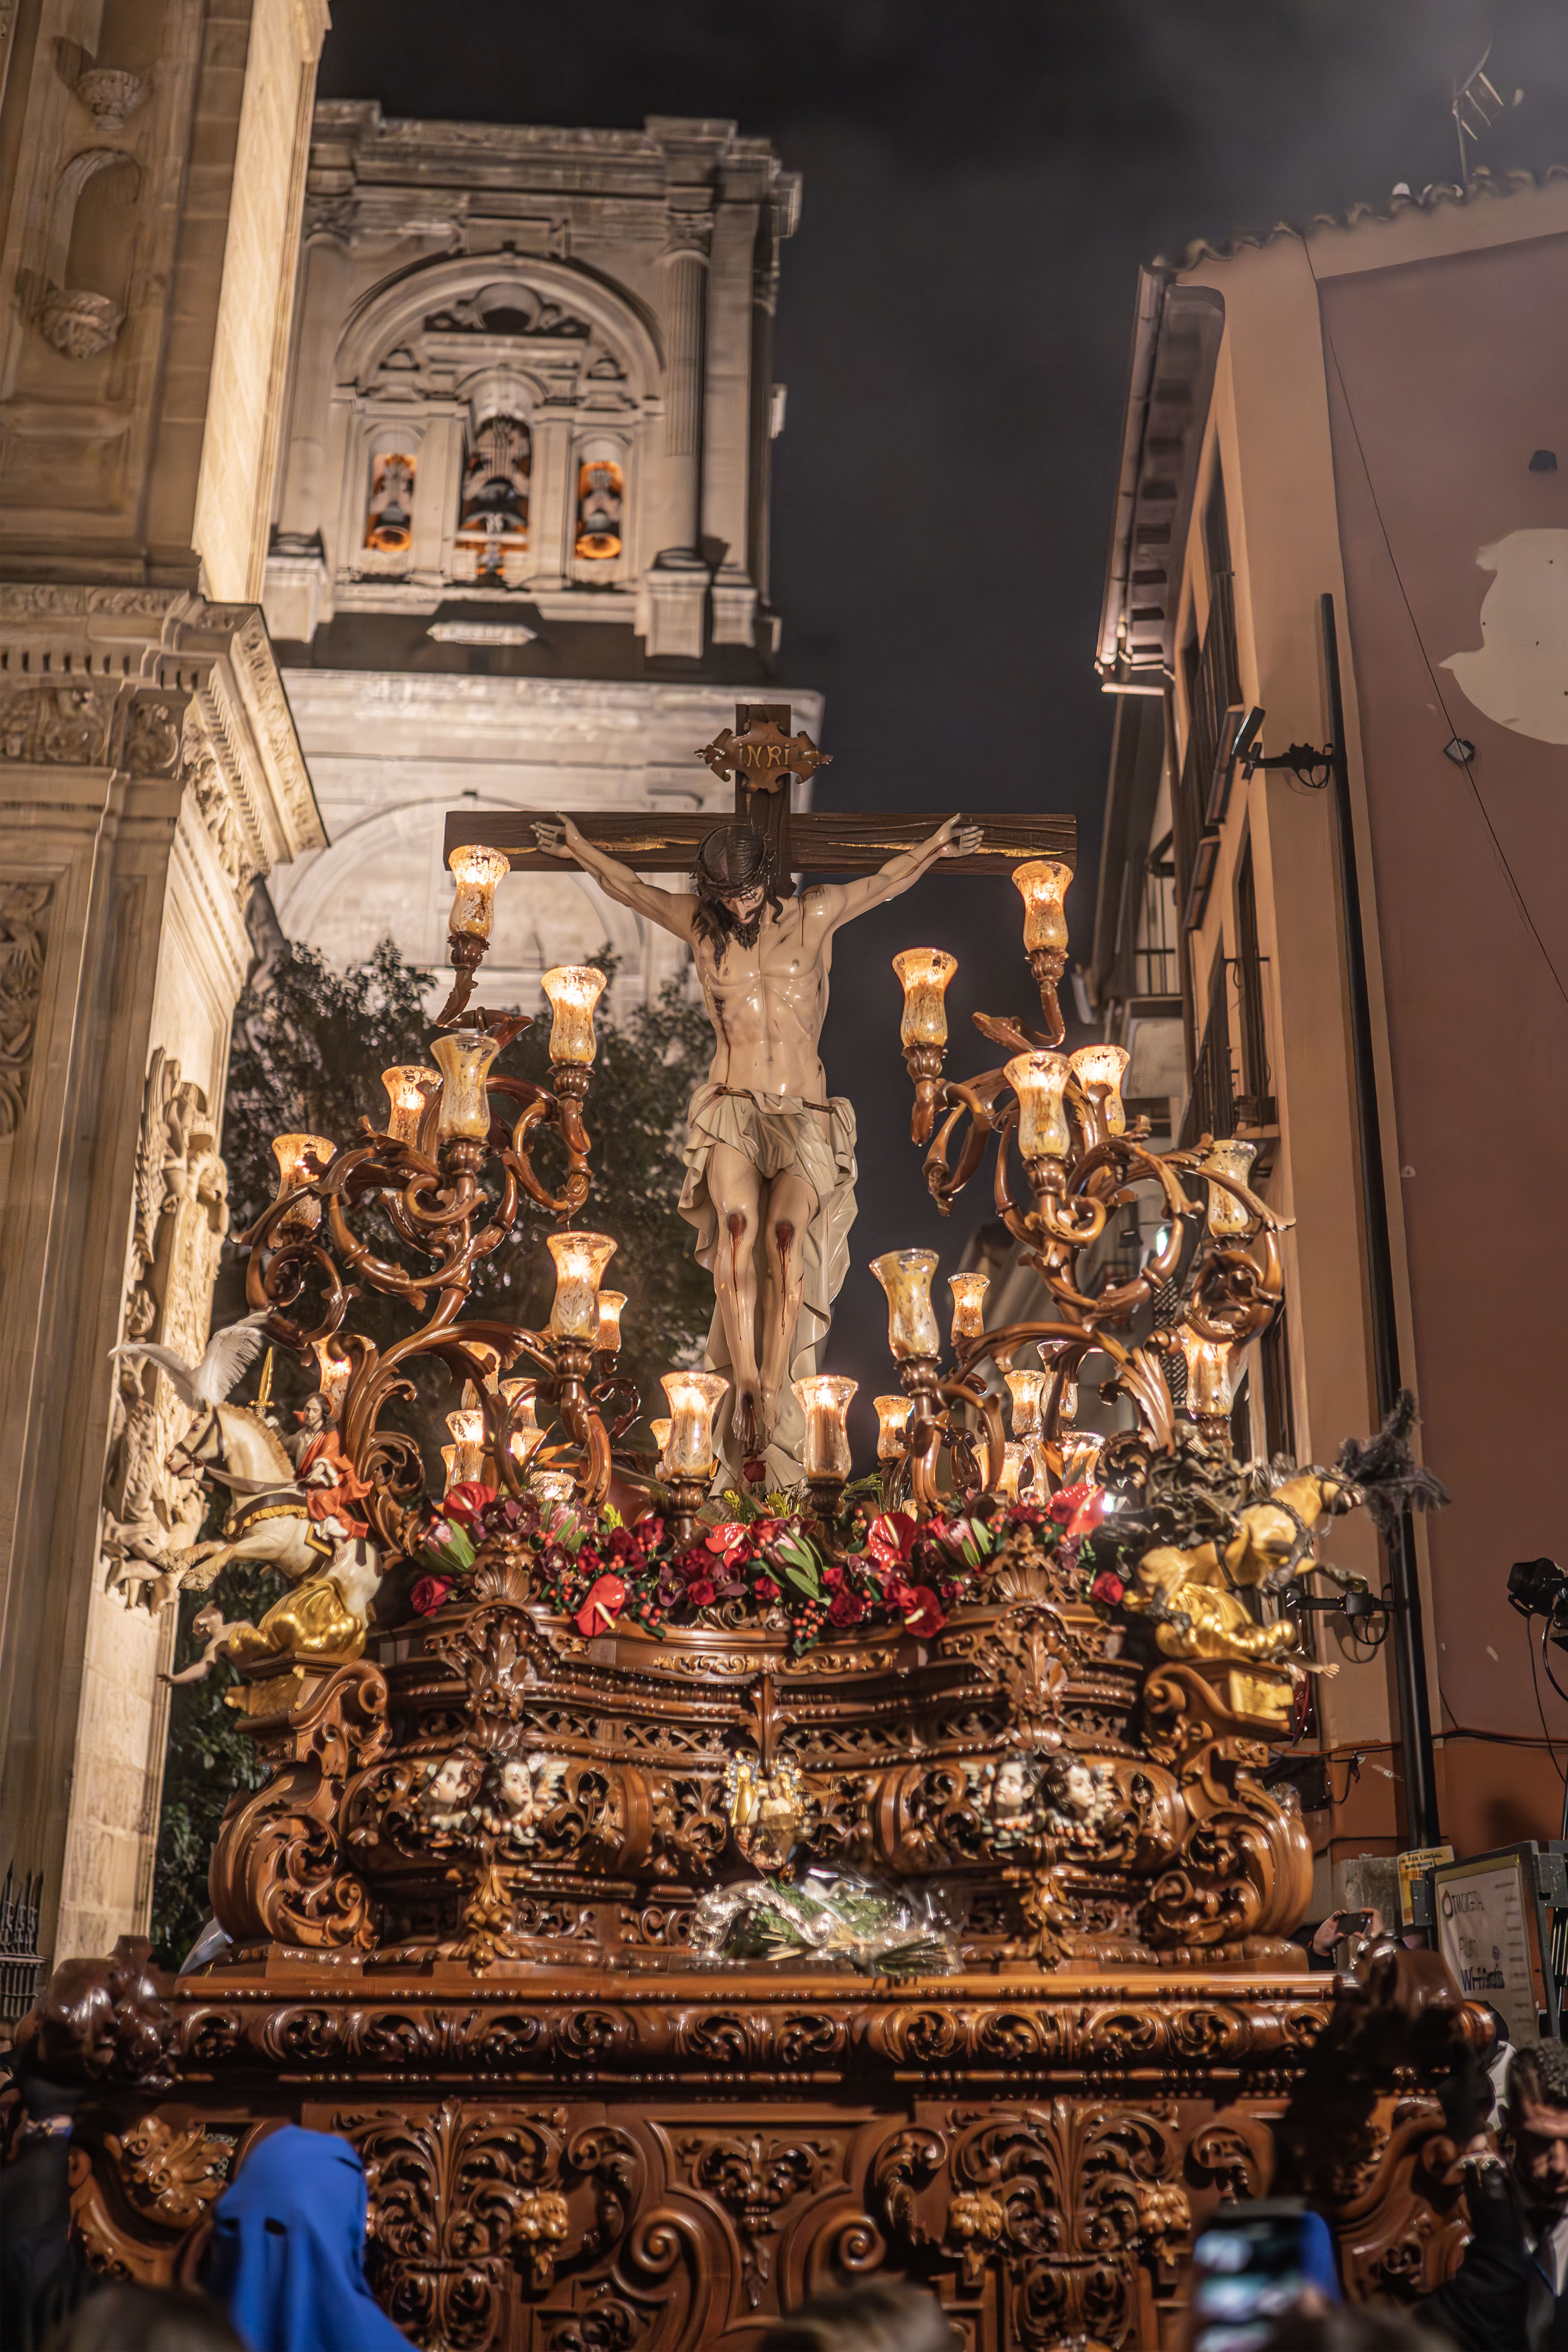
{"points": [[691, 1896]]}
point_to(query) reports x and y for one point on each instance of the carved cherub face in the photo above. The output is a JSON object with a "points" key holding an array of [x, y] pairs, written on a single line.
{"points": [[1076, 1788], [1011, 1791], [515, 1787], [450, 1786]]}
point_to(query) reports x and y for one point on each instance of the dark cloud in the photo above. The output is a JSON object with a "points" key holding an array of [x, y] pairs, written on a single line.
{"points": [[981, 181]]}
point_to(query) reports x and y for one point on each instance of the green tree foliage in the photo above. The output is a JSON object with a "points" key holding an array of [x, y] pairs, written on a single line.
{"points": [[309, 1045]]}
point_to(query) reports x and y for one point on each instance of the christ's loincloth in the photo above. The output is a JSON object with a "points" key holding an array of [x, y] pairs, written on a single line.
{"points": [[779, 1134]]}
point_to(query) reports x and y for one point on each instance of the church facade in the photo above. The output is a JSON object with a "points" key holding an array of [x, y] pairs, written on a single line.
{"points": [[521, 551]]}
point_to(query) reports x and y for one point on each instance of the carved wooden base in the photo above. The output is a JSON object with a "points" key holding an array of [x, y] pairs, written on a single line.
{"points": [[619, 2163]]}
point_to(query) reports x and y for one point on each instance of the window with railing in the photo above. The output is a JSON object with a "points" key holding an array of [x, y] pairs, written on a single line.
{"points": [[1211, 1106], [1256, 1106], [1214, 689], [1155, 967]]}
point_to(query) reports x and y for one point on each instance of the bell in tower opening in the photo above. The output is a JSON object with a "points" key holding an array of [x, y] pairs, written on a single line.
{"points": [[599, 493], [389, 516]]}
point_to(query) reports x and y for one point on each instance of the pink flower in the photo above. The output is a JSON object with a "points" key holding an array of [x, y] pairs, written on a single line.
{"points": [[468, 1502], [607, 1599], [927, 1616], [429, 1594]]}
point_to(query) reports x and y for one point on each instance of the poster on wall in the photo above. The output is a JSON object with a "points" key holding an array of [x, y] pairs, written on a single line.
{"points": [[1483, 1933]]}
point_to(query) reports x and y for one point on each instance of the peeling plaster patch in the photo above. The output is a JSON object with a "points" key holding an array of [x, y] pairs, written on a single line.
{"points": [[1519, 676]]}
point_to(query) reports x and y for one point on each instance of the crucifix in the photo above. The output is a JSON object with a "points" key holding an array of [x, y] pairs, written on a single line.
{"points": [[769, 1156]]}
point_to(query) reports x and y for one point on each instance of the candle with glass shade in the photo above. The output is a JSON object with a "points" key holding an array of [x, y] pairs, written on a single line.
{"points": [[968, 1305], [924, 973], [690, 1453], [1042, 884], [463, 1113], [467, 1448], [611, 1306], [410, 1089], [825, 1400], [1226, 1214], [1099, 1071], [659, 1431], [476, 871], [302, 1159], [1212, 1369]]}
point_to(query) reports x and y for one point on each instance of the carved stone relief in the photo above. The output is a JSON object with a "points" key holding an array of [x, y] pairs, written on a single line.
{"points": [[180, 1218], [57, 724], [23, 906]]}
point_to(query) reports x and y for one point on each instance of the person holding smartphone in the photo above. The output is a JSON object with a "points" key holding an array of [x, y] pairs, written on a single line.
{"points": [[1507, 2295]]}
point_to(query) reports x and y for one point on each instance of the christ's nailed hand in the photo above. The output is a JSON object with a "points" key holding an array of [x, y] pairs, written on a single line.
{"points": [[556, 837], [962, 839]]}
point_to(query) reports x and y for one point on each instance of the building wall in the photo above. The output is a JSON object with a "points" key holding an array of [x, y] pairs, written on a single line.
{"points": [[1379, 390], [151, 180]]}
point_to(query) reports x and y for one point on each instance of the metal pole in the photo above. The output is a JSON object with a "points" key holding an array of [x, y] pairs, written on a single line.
{"points": [[1408, 1632]]}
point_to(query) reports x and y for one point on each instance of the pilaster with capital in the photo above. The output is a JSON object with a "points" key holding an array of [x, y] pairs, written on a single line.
{"points": [[149, 772]]}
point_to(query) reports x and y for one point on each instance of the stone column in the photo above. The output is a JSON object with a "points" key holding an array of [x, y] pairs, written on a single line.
{"points": [[676, 586]]}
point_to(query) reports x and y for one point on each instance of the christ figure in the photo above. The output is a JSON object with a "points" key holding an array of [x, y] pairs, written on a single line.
{"points": [[771, 1159]]}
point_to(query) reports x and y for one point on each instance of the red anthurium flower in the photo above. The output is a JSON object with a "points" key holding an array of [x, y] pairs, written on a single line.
{"points": [[927, 1616], [468, 1501], [1108, 1588], [607, 1599], [429, 1593], [891, 1537], [1063, 1504], [731, 1541], [1089, 1512]]}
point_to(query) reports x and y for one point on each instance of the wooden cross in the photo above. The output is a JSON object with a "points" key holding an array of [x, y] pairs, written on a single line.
{"points": [[760, 754]]}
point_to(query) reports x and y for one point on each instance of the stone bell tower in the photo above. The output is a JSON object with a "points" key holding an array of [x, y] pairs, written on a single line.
{"points": [[151, 174]]}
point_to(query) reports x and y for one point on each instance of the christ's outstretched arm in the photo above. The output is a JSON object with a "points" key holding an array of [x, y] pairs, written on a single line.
{"points": [[670, 911], [842, 901]]}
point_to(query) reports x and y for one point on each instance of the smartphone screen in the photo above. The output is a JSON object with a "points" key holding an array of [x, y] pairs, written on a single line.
{"points": [[1251, 2264]]}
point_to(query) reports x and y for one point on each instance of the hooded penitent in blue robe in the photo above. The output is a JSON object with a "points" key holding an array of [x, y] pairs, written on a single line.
{"points": [[288, 2261]]}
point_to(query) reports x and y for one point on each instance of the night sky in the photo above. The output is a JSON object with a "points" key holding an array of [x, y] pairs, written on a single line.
{"points": [[982, 181]]}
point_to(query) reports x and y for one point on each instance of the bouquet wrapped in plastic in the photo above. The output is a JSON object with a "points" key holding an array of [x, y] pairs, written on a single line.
{"points": [[826, 1914]]}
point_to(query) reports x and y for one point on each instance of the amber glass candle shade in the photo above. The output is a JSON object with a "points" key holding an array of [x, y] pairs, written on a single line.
{"points": [[1226, 1214], [1013, 1457], [300, 1159], [1211, 1374], [612, 1304], [409, 1086], [468, 1428], [574, 989], [1081, 1450], [1039, 1081], [333, 1375], [1099, 1070], [694, 1398], [905, 1276], [580, 1263], [476, 871], [892, 1427], [660, 1429], [465, 1062], [524, 1435], [1027, 1392], [825, 1400], [968, 1305], [552, 1485], [1042, 884], [925, 972]]}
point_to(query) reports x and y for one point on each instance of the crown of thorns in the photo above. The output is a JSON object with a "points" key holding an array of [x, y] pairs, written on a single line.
{"points": [[715, 886]]}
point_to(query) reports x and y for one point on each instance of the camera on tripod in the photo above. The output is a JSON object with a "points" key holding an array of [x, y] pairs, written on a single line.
{"points": [[1539, 1588]]}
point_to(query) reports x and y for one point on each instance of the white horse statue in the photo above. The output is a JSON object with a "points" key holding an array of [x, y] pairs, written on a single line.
{"points": [[272, 1519]]}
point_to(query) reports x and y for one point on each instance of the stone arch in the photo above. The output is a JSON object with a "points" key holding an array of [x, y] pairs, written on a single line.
{"points": [[90, 251], [396, 310]]}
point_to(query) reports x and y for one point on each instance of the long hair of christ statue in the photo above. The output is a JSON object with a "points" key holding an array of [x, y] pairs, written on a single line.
{"points": [[732, 857]]}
